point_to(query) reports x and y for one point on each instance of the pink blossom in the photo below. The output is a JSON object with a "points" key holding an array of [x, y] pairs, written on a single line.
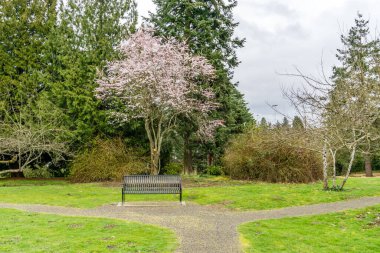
{"points": [[208, 128], [157, 77], [158, 80]]}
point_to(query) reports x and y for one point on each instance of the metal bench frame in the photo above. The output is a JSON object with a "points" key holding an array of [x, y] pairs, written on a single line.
{"points": [[152, 184]]}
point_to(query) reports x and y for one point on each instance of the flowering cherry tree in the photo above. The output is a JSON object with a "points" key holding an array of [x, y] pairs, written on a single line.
{"points": [[156, 80]]}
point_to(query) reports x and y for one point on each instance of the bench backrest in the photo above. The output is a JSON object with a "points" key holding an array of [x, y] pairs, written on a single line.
{"points": [[164, 184]]}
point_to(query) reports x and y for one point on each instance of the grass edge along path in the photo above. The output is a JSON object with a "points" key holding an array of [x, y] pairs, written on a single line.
{"points": [[354, 230], [23, 231]]}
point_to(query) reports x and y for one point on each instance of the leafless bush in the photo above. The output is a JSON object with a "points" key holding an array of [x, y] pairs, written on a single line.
{"points": [[30, 131], [108, 160], [273, 155]]}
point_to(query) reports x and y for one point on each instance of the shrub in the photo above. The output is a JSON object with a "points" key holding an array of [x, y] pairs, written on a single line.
{"points": [[38, 172], [273, 155], [214, 170], [5, 175], [107, 160], [173, 169]]}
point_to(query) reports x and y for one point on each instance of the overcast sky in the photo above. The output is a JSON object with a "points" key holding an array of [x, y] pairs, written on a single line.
{"points": [[284, 34]]}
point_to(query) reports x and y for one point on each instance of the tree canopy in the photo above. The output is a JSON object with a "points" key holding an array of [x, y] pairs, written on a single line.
{"points": [[155, 80], [208, 28]]}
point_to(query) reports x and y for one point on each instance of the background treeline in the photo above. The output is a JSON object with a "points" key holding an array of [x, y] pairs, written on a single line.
{"points": [[51, 123], [296, 124]]}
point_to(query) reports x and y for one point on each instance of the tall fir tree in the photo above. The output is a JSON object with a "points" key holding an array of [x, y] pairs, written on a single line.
{"points": [[24, 30], [285, 123], [359, 56], [264, 123], [82, 41], [208, 28], [359, 62], [297, 123]]}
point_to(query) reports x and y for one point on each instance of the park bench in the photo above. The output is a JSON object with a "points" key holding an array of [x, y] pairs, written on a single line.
{"points": [[152, 184]]}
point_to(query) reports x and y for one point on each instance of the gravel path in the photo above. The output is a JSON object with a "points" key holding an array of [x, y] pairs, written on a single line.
{"points": [[200, 228]]}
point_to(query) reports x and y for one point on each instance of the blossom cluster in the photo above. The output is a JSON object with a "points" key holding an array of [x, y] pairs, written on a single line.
{"points": [[157, 77]]}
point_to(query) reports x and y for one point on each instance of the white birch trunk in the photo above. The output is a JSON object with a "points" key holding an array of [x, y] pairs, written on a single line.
{"points": [[325, 176], [333, 156], [353, 152]]}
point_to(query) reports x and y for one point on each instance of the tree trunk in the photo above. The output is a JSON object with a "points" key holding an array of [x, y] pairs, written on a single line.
{"points": [[155, 160], [187, 155], [11, 171], [155, 139], [368, 165], [325, 176], [353, 152], [333, 156], [210, 159]]}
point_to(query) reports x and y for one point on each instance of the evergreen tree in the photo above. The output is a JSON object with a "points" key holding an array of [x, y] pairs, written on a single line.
{"points": [[24, 29], [297, 123], [208, 27], [98, 26], [359, 55], [81, 43], [263, 123], [359, 60], [285, 123]]}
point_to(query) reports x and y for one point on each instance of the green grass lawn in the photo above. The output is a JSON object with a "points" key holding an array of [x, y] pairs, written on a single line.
{"points": [[31, 232], [343, 232], [261, 196], [215, 191]]}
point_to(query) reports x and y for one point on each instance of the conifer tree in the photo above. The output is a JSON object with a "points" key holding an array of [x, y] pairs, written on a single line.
{"points": [[84, 39], [359, 63], [297, 123], [208, 28], [285, 123], [24, 29], [263, 123]]}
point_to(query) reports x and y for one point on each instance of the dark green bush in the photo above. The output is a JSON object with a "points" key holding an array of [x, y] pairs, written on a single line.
{"points": [[38, 172], [173, 169], [273, 155], [214, 170], [107, 160]]}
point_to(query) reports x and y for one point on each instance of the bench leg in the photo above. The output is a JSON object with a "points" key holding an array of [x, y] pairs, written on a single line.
{"points": [[122, 196], [180, 196]]}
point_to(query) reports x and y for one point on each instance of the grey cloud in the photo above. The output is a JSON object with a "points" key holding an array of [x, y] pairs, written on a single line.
{"points": [[296, 31], [274, 7], [290, 30]]}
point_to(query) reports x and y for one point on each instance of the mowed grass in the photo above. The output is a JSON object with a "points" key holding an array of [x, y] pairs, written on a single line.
{"points": [[31, 232], [261, 196], [343, 232], [220, 191]]}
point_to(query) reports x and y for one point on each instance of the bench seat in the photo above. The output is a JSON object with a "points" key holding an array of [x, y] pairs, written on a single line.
{"points": [[152, 184]]}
